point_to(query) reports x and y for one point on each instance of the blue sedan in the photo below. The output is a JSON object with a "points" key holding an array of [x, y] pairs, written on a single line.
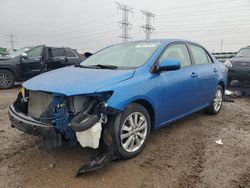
{"points": [[120, 94]]}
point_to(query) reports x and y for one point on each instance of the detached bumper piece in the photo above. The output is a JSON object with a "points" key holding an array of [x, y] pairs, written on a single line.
{"points": [[29, 125], [95, 164]]}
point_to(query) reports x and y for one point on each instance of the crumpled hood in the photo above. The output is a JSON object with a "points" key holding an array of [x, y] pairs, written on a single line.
{"points": [[75, 80]]}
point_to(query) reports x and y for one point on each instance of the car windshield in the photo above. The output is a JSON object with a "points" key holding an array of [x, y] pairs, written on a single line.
{"points": [[18, 52], [122, 56], [245, 52]]}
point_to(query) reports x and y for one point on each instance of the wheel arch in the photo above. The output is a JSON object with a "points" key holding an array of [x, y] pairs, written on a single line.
{"points": [[222, 84], [149, 107], [11, 70]]}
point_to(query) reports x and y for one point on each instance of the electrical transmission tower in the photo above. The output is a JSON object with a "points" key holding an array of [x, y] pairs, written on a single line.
{"points": [[148, 28], [12, 41], [125, 25]]}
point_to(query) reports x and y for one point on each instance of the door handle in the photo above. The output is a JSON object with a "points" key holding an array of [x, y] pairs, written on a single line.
{"points": [[193, 74], [215, 70]]}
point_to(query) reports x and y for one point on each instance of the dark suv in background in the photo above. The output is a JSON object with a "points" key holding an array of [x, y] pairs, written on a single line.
{"points": [[35, 61], [239, 66]]}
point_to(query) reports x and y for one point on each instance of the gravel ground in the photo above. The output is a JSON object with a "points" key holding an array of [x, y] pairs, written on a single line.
{"points": [[183, 154]]}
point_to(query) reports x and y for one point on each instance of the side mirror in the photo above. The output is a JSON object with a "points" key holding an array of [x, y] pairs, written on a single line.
{"points": [[169, 65], [24, 55], [87, 54]]}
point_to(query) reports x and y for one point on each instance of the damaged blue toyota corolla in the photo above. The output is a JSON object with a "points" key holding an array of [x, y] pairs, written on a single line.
{"points": [[119, 95]]}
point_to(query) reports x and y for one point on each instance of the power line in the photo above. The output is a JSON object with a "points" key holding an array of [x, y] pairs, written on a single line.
{"points": [[83, 28], [90, 37], [148, 28], [194, 5], [198, 25], [231, 30], [207, 12], [12, 41], [96, 39], [87, 35], [70, 27], [125, 25]]}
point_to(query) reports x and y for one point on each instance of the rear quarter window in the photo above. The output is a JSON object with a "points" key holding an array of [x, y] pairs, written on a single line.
{"points": [[200, 55], [57, 52], [70, 53]]}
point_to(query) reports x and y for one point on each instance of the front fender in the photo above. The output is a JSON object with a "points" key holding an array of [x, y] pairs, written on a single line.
{"points": [[134, 89], [120, 102]]}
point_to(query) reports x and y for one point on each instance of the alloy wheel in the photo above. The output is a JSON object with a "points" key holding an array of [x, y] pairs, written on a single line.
{"points": [[133, 132], [217, 100], [5, 79]]}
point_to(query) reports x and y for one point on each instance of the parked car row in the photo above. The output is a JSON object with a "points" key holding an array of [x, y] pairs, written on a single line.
{"points": [[32, 61]]}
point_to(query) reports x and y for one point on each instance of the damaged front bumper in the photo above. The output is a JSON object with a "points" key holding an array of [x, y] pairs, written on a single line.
{"points": [[30, 125], [84, 127]]}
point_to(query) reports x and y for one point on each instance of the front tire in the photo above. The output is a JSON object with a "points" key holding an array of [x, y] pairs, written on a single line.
{"points": [[131, 132], [216, 105], [7, 79]]}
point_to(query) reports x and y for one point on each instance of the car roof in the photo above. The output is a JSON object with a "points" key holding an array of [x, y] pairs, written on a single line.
{"points": [[164, 40]]}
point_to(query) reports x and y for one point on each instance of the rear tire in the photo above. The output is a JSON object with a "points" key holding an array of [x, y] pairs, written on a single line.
{"points": [[216, 104], [7, 79]]}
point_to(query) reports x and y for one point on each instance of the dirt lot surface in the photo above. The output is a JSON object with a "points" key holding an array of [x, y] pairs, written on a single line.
{"points": [[183, 154]]}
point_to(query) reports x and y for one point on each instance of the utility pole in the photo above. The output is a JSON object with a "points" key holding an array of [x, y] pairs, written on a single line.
{"points": [[148, 28], [221, 44], [12, 41], [125, 25]]}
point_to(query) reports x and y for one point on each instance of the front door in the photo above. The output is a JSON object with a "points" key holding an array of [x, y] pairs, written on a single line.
{"points": [[33, 64], [177, 89]]}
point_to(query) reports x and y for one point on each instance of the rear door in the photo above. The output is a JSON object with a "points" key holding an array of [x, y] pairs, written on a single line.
{"points": [[34, 63], [57, 58], [207, 74], [177, 89]]}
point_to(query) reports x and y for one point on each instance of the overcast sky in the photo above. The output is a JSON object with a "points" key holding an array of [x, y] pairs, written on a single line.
{"points": [[89, 25]]}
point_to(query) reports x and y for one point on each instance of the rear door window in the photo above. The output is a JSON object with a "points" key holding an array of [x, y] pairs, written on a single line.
{"points": [[200, 55], [57, 52]]}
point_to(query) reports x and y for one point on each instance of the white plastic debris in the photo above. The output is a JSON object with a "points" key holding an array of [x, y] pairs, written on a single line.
{"points": [[90, 137], [227, 92], [219, 142]]}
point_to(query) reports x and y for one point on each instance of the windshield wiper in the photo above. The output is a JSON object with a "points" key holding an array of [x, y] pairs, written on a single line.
{"points": [[84, 66], [98, 66], [106, 66]]}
